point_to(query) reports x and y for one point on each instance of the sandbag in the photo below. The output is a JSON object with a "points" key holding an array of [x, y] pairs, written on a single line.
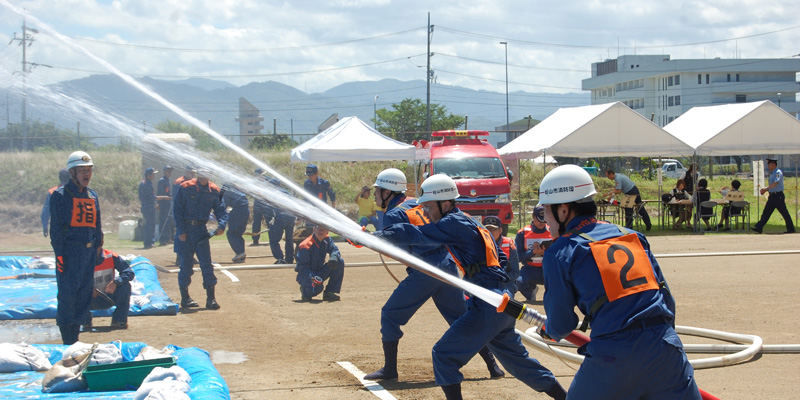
{"points": [[22, 357], [164, 384], [67, 375], [108, 353]]}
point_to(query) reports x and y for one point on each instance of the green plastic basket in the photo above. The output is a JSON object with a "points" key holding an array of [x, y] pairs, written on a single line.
{"points": [[124, 375]]}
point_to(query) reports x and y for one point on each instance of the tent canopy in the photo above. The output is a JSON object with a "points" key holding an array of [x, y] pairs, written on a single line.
{"points": [[743, 128], [351, 139], [605, 130]]}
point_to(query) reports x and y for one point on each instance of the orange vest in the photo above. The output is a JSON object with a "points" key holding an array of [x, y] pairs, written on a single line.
{"points": [[507, 245], [104, 272], [534, 241]]}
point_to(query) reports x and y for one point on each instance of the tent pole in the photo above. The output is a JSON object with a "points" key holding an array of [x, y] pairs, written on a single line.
{"points": [[519, 192], [695, 177], [796, 164]]}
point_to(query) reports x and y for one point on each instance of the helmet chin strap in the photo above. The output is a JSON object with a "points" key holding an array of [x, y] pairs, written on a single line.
{"points": [[562, 227]]}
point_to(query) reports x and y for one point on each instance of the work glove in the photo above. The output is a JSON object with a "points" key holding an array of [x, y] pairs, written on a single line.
{"points": [[333, 262]]}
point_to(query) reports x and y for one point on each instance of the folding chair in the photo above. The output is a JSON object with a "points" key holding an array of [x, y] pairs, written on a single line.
{"points": [[708, 209], [739, 212]]}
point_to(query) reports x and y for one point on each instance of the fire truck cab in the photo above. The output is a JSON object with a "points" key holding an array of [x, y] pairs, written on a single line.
{"points": [[484, 183]]}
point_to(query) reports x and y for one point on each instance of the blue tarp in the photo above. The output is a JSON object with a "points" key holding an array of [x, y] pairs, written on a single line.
{"points": [[206, 383], [35, 298]]}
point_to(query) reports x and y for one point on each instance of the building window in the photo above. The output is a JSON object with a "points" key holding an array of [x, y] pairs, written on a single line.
{"points": [[737, 77], [669, 120], [729, 77], [706, 79], [699, 79], [677, 80], [677, 100], [741, 98], [671, 101], [669, 81]]}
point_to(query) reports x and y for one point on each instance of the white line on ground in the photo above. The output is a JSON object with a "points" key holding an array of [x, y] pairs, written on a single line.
{"points": [[230, 275], [372, 386]]}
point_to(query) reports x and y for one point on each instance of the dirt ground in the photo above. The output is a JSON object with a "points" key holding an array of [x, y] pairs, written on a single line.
{"points": [[292, 348]]}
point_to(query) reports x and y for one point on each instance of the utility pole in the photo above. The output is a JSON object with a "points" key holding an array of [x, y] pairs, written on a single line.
{"points": [[25, 40], [429, 74], [508, 132]]}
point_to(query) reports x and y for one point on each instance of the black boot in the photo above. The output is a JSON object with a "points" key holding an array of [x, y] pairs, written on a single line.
{"points": [[557, 392], [389, 370], [69, 333], [186, 300], [491, 364], [452, 392], [211, 300]]}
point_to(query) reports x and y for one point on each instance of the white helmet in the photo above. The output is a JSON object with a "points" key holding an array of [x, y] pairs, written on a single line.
{"points": [[391, 179], [79, 159], [566, 184], [437, 188]]}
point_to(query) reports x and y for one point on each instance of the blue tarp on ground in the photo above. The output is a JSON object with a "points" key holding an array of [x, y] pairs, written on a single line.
{"points": [[206, 383], [35, 297]]}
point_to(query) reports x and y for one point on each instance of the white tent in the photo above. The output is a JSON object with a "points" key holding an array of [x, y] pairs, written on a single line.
{"points": [[351, 139], [605, 130], [743, 128], [544, 159]]}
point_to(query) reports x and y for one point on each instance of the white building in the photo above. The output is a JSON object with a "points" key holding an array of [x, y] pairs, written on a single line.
{"points": [[663, 89]]}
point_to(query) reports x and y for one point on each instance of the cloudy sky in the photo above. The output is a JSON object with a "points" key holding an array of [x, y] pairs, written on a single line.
{"points": [[316, 45]]}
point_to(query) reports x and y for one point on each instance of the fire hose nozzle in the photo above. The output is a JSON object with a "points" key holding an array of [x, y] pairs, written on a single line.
{"points": [[521, 311]]}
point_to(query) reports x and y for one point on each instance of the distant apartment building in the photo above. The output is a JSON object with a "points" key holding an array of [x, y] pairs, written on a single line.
{"points": [[249, 120], [662, 89]]}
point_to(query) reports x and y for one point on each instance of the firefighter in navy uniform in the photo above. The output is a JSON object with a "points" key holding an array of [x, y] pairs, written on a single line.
{"points": [[164, 201], [188, 174], [531, 241], [116, 287], [237, 220], [63, 178], [147, 198], [474, 251], [281, 226], [610, 274], [76, 235], [416, 288], [495, 226], [194, 202], [312, 269]]}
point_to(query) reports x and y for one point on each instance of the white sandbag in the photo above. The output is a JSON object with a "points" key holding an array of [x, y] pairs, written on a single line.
{"points": [[107, 353], [152, 353], [67, 375], [164, 384], [22, 357]]}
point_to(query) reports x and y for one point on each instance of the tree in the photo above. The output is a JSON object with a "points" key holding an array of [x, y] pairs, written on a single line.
{"points": [[280, 141], [41, 135], [203, 140], [408, 120]]}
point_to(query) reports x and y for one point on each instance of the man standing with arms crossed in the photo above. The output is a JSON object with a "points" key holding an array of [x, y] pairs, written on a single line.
{"points": [[76, 235]]}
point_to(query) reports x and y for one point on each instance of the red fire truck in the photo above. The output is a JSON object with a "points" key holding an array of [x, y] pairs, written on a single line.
{"points": [[484, 183]]}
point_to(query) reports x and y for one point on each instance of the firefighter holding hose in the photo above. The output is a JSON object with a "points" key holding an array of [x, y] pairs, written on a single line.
{"points": [[611, 275], [474, 251]]}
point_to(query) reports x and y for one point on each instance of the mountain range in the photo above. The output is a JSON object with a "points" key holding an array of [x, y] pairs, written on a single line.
{"points": [[284, 108]]}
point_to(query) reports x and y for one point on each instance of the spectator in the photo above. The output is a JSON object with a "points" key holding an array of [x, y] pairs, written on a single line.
{"points": [[703, 194], [727, 211], [147, 198], [63, 178], [681, 211], [689, 178], [367, 209], [166, 225], [312, 269]]}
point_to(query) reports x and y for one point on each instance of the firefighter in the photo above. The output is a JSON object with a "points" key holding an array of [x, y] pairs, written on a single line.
{"points": [[237, 220], [495, 226], [531, 241], [188, 174], [194, 202], [164, 201], [76, 235], [474, 251], [610, 274], [319, 187], [312, 269], [112, 281], [147, 198], [281, 226], [416, 288], [63, 178]]}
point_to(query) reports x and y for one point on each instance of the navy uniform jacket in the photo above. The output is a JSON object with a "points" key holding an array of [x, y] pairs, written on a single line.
{"points": [[147, 196], [235, 199], [196, 202], [74, 218], [322, 190], [572, 278], [164, 188], [311, 253], [282, 218]]}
